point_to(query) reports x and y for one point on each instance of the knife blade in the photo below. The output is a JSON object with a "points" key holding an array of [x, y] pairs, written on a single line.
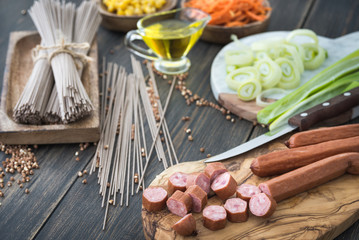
{"points": [[302, 121]]}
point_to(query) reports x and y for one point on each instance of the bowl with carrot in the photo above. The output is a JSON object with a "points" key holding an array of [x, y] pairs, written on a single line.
{"points": [[239, 17]]}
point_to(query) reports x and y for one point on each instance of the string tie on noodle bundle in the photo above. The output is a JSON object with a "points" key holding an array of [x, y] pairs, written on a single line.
{"points": [[69, 48]]}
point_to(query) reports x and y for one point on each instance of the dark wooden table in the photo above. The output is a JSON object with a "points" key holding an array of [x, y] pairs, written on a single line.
{"points": [[59, 206]]}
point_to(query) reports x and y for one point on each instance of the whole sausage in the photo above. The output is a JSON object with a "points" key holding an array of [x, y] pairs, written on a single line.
{"points": [[199, 198], [212, 170], [246, 191], [262, 205], [322, 135], [186, 225], [200, 179], [177, 181], [214, 217], [224, 185], [154, 199], [237, 210], [310, 176], [179, 203], [283, 161]]}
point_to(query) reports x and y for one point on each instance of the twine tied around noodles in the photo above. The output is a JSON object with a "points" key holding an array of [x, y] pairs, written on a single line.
{"points": [[69, 48]]}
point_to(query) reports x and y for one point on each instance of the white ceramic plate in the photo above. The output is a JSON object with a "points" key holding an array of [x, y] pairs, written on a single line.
{"points": [[337, 48]]}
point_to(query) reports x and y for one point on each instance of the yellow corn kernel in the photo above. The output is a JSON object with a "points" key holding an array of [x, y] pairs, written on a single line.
{"points": [[120, 12], [129, 12], [149, 9], [138, 11], [111, 7], [122, 5], [159, 3]]}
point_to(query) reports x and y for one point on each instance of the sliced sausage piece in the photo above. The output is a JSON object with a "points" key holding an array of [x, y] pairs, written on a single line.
{"points": [[154, 199], [214, 217], [310, 176], [212, 170], [186, 225], [262, 205], [246, 191], [199, 198], [322, 135], [179, 203], [283, 161], [237, 210], [224, 185], [200, 179], [177, 181]]}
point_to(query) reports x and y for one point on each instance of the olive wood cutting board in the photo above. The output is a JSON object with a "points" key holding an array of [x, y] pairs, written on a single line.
{"points": [[321, 213], [337, 48], [18, 68]]}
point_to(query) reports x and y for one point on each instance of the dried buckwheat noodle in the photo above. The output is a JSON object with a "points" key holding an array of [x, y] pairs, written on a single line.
{"points": [[121, 156], [66, 35]]}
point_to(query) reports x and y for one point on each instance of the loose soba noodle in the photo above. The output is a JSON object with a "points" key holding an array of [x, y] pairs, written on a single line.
{"points": [[119, 152]]}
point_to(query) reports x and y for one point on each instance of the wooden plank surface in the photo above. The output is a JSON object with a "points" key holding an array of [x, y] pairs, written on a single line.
{"points": [[59, 206]]}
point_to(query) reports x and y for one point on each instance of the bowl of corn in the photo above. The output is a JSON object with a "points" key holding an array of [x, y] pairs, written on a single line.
{"points": [[122, 15]]}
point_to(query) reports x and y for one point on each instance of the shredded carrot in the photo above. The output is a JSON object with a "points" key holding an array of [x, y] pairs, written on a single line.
{"points": [[232, 13]]}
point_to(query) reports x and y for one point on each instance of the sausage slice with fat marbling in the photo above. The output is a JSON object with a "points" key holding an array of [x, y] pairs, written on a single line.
{"points": [[214, 217], [199, 198], [262, 205], [237, 210], [179, 203], [154, 199], [246, 191], [212, 170], [186, 225], [224, 185], [200, 179], [177, 181]]}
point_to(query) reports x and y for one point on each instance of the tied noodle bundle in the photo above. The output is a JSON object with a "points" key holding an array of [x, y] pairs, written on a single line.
{"points": [[66, 34], [232, 13]]}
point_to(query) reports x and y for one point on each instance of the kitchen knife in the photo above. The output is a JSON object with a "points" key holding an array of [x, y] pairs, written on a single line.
{"points": [[303, 121]]}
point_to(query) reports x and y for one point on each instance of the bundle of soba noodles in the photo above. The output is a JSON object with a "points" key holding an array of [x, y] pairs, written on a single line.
{"points": [[54, 92]]}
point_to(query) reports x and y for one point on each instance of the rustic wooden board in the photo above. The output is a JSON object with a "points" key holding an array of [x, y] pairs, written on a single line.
{"points": [[321, 213], [17, 71]]}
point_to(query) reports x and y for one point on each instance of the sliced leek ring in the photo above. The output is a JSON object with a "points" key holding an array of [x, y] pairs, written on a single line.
{"points": [[266, 44], [292, 54], [269, 73], [239, 57], [290, 74], [261, 55], [302, 33], [271, 46], [231, 68], [299, 49], [273, 93], [236, 77], [249, 89], [314, 56]]}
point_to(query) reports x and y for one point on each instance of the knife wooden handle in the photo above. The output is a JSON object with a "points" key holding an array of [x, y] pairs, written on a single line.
{"points": [[326, 110]]}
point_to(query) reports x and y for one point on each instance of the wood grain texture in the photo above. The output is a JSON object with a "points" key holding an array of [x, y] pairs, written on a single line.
{"points": [[320, 213], [246, 110], [22, 215], [18, 69]]}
